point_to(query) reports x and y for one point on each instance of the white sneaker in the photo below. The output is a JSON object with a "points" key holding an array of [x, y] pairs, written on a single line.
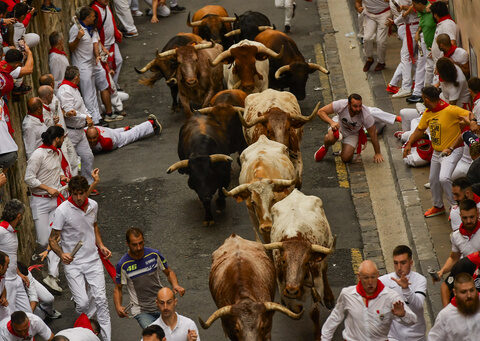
{"points": [[137, 13], [402, 93], [427, 185], [51, 282], [56, 315]]}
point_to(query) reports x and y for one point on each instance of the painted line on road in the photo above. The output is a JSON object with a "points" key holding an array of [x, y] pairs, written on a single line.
{"points": [[340, 167], [324, 80], [357, 259]]}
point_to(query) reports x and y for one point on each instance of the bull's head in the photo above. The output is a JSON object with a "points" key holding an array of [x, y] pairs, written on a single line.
{"points": [[296, 75], [245, 57], [293, 259], [211, 26], [248, 320], [260, 196], [186, 58]]}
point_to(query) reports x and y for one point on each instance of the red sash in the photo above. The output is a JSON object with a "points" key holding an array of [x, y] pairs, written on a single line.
{"points": [[105, 142], [362, 140], [411, 52], [100, 23], [377, 292]]}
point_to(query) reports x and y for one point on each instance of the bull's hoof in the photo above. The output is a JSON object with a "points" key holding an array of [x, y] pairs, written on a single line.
{"points": [[207, 223]]}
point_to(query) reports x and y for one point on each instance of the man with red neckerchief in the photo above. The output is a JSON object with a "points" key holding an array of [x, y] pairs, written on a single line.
{"points": [[461, 189], [460, 319], [445, 122], [368, 309], [57, 57], [33, 126], [465, 240], [458, 55], [76, 220], [24, 326]]}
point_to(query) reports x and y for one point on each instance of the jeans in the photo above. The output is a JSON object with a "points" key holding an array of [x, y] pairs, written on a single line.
{"points": [[146, 319]]}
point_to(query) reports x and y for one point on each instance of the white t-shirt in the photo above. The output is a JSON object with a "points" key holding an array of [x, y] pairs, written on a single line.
{"points": [[464, 245], [179, 333], [16, 73], [78, 334], [37, 327], [459, 93], [9, 245], [351, 125], [460, 56], [58, 64], [32, 130], [7, 143], [75, 225], [451, 325], [448, 27], [83, 56]]}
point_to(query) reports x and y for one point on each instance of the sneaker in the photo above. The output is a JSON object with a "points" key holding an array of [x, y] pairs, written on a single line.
{"points": [[130, 34], [112, 118], [94, 193], [392, 89], [398, 119], [102, 123], [137, 13], [287, 29], [120, 113], [52, 283], [320, 153], [402, 93], [367, 65], [50, 9], [379, 67], [157, 127], [55, 315], [177, 9], [434, 211], [398, 134], [414, 99], [427, 185]]}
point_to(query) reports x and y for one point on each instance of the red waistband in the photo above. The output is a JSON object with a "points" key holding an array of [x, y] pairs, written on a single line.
{"points": [[410, 23], [41, 195], [385, 10]]}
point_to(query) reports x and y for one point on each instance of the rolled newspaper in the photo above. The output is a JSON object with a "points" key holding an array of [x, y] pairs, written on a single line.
{"points": [[76, 248]]}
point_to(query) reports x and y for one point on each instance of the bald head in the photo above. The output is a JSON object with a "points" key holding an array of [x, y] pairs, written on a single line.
{"points": [[367, 267], [444, 42], [92, 136], [165, 294], [47, 79], [45, 92], [368, 276], [166, 302], [34, 105]]}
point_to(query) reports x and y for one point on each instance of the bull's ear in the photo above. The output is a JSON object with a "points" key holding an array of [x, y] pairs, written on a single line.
{"points": [[261, 56]]}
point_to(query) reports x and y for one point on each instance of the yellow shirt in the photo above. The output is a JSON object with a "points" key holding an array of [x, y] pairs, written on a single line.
{"points": [[444, 126]]}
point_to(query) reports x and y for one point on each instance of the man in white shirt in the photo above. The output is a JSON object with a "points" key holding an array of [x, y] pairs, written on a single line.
{"points": [[461, 190], [458, 55], [76, 118], [367, 308], [11, 218], [4, 262], [175, 326], [57, 58], [460, 319], [84, 329], [76, 221], [8, 147], [412, 287], [24, 326], [466, 240], [376, 14], [33, 126]]}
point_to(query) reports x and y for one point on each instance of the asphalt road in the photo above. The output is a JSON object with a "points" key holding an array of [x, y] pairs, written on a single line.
{"points": [[136, 191]]}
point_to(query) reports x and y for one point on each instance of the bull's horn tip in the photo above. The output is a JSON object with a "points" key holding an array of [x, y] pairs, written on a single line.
{"points": [[203, 324]]}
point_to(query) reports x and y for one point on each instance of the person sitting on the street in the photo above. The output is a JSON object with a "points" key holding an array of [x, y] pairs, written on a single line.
{"points": [[24, 326], [103, 139], [460, 319], [153, 333], [175, 326], [465, 240], [23, 14], [49, 7], [445, 122], [33, 126], [57, 57], [458, 55], [351, 117], [461, 189], [160, 8], [453, 83]]}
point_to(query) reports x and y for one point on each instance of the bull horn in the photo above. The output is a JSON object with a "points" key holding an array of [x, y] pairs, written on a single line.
{"points": [[236, 190], [193, 24], [321, 249], [177, 165], [270, 52], [278, 307], [204, 45], [146, 67], [228, 19], [273, 246], [219, 313], [319, 68], [305, 119], [221, 57], [233, 33], [219, 158], [259, 119], [281, 70], [205, 111], [172, 81], [167, 53], [263, 28], [283, 182], [237, 84]]}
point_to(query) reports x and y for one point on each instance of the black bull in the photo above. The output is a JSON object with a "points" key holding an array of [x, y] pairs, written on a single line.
{"points": [[202, 146]]}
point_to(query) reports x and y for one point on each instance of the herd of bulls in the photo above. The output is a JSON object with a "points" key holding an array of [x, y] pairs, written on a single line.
{"points": [[264, 125]]}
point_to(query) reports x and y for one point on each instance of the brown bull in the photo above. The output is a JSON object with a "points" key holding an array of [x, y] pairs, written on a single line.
{"points": [[212, 23], [197, 81], [277, 115], [166, 68], [242, 284]]}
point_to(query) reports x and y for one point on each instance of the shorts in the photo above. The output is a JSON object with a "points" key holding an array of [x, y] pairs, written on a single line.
{"points": [[351, 140], [100, 76]]}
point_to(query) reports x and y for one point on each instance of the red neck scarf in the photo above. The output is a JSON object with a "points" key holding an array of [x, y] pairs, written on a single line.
{"points": [[65, 82], [444, 18], [47, 108], [451, 51], [11, 331], [83, 321], [362, 292], [40, 117], [469, 234], [84, 205], [5, 224], [440, 106], [64, 163], [57, 51]]}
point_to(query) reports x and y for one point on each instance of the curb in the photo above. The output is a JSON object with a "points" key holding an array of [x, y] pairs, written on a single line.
{"points": [[358, 182], [407, 192]]}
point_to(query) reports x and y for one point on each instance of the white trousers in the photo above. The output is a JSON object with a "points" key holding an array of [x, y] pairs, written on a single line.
{"points": [[374, 25], [136, 133], [162, 11], [122, 9], [405, 66], [414, 160], [397, 75], [360, 25], [4, 312], [80, 142], [441, 169], [421, 68], [17, 295], [407, 116], [382, 116], [89, 93], [71, 155], [44, 297], [90, 274], [463, 164], [118, 61], [429, 68], [288, 5]]}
